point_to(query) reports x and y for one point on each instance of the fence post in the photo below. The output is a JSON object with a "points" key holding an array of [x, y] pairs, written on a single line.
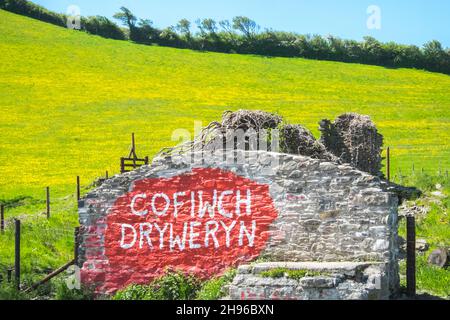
{"points": [[77, 243], [48, 202], [17, 254], [388, 164], [410, 256], [133, 150], [133, 144], [106, 174], [2, 218], [78, 188]]}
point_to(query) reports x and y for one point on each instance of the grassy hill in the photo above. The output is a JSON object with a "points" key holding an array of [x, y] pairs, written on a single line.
{"points": [[70, 100]]}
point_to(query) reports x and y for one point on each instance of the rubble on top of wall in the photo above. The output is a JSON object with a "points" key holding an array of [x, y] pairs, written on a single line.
{"points": [[352, 138], [295, 139], [246, 119]]}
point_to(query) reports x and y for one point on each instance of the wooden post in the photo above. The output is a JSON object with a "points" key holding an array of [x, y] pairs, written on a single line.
{"points": [[9, 273], [388, 164], [133, 150], [106, 174], [78, 188], [50, 276], [17, 255], [410, 256], [77, 243], [2, 218], [48, 202]]}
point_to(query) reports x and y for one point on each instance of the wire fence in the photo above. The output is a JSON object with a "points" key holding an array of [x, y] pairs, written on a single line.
{"points": [[403, 163], [35, 244], [55, 233]]}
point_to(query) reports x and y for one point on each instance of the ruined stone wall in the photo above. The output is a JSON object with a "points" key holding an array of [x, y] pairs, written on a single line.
{"points": [[354, 139], [301, 210]]}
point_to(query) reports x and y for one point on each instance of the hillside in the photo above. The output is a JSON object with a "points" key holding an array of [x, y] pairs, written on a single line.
{"points": [[70, 100]]}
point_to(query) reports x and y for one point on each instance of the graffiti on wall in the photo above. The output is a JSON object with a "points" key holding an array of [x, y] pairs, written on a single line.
{"points": [[203, 222]]}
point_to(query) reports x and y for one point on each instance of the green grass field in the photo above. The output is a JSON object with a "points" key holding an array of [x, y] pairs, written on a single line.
{"points": [[69, 102]]}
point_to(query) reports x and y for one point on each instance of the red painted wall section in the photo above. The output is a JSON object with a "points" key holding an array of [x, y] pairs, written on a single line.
{"points": [[201, 222]]}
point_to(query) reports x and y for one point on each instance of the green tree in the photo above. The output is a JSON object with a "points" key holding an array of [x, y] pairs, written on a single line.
{"points": [[319, 47], [102, 26], [372, 49], [246, 26], [128, 19], [207, 35], [207, 27], [145, 32], [169, 37], [337, 48], [435, 56], [433, 50], [184, 28], [353, 50]]}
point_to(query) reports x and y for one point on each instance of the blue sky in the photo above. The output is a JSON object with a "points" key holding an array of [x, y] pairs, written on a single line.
{"points": [[403, 21]]}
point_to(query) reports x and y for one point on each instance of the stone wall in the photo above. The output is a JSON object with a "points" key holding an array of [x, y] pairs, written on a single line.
{"points": [[354, 139], [311, 281], [324, 212]]}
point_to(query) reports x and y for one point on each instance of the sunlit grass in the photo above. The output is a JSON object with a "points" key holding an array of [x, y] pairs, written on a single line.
{"points": [[434, 227], [45, 243], [69, 102]]}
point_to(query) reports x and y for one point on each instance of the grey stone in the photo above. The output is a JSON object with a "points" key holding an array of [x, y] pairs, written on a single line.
{"points": [[332, 218], [318, 282], [422, 245]]}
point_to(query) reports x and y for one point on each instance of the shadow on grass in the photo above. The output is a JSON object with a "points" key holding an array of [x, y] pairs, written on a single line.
{"points": [[19, 201]]}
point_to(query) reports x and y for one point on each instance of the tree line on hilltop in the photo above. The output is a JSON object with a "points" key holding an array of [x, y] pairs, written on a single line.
{"points": [[243, 35]]}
